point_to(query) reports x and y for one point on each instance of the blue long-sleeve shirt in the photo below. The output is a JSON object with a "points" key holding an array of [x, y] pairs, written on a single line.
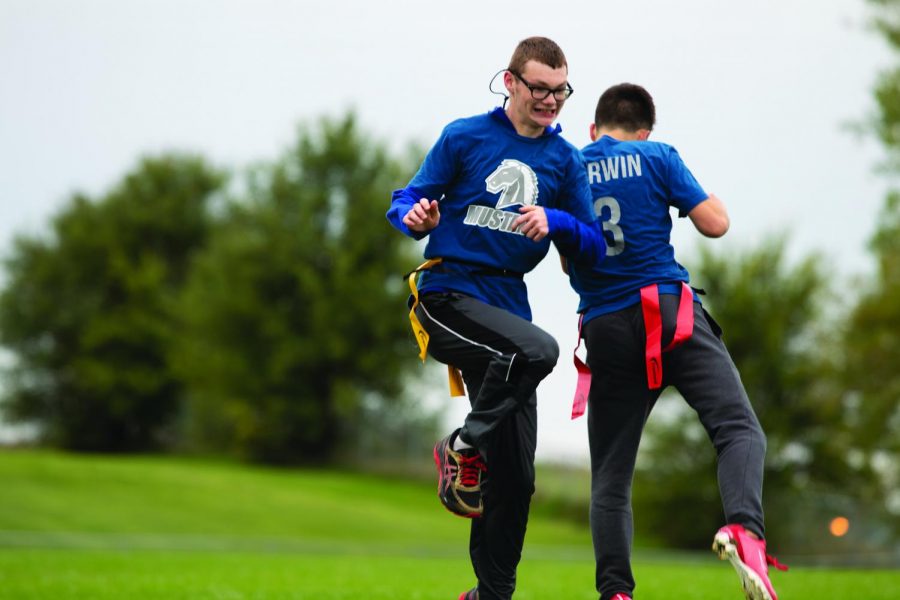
{"points": [[482, 171]]}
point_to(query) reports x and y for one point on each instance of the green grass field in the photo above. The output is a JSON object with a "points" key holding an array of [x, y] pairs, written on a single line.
{"points": [[136, 527]]}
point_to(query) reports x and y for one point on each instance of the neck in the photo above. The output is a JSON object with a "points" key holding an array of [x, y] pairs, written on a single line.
{"points": [[532, 131], [621, 134]]}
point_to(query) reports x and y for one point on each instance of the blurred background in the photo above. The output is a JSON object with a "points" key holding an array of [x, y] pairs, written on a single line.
{"points": [[196, 260]]}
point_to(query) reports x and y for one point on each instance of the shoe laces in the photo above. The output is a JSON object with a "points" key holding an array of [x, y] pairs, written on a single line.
{"points": [[771, 560], [470, 468]]}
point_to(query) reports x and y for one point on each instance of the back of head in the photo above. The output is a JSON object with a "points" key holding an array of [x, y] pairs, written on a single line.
{"points": [[539, 49], [625, 106]]}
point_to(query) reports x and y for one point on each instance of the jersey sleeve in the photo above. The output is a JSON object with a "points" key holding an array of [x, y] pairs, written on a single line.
{"points": [[434, 177], [577, 199], [577, 241], [575, 229], [684, 191]]}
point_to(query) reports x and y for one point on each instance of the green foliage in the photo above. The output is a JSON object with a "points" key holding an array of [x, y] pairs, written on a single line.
{"points": [[292, 321], [886, 123], [871, 374], [85, 309], [873, 342], [872, 338]]}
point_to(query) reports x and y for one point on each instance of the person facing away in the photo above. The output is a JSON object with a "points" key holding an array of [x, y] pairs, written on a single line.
{"points": [[491, 194], [645, 329]]}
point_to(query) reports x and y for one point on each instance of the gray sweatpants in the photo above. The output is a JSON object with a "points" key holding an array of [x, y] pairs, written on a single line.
{"points": [[620, 403]]}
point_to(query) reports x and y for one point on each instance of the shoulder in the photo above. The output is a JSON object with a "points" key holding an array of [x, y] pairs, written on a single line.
{"points": [[566, 147], [468, 125], [649, 148], [564, 151], [660, 150], [659, 147], [461, 136], [651, 152]]}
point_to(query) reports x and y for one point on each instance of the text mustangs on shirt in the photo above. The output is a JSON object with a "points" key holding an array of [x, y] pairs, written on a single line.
{"points": [[517, 185]]}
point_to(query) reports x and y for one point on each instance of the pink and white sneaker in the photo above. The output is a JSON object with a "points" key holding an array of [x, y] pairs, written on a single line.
{"points": [[748, 555], [621, 597]]}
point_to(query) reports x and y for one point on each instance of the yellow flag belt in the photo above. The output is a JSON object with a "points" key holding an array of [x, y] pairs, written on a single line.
{"points": [[456, 381]]}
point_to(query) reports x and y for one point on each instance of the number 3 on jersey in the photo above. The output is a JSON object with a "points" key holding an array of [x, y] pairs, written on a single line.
{"points": [[611, 225]]}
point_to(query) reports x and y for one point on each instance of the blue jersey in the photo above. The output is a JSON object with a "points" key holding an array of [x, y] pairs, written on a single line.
{"points": [[634, 185], [482, 171]]}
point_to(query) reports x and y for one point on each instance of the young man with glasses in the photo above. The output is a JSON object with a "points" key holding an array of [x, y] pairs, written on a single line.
{"points": [[492, 193], [645, 329]]}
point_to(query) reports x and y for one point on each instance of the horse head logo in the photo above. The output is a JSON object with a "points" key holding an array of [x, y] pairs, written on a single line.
{"points": [[516, 181]]}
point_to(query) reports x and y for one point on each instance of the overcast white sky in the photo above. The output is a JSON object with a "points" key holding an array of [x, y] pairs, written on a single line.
{"points": [[755, 96]]}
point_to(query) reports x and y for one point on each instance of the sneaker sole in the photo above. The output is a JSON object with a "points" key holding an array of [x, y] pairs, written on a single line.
{"points": [[754, 588], [437, 463]]}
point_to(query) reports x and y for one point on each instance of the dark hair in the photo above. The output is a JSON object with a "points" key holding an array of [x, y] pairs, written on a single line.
{"points": [[540, 49], [626, 106]]}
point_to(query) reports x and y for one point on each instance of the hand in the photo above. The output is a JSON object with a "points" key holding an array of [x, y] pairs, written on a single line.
{"points": [[532, 222], [423, 216]]}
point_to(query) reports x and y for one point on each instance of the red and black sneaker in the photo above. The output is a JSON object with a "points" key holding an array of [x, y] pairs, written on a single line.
{"points": [[470, 595], [459, 478], [748, 555]]}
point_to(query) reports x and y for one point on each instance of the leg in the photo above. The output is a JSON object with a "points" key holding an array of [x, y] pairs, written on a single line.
{"points": [[618, 406], [503, 358], [703, 372], [513, 354], [497, 537]]}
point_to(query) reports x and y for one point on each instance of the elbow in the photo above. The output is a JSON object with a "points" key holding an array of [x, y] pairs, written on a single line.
{"points": [[717, 227]]}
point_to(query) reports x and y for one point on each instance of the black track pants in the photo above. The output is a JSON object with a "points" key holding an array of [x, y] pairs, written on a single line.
{"points": [[503, 358]]}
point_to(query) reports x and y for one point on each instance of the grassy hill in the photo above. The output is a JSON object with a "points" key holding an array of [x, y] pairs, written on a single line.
{"points": [[75, 526], [186, 502]]}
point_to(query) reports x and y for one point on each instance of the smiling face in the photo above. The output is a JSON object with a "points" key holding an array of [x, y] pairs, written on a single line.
{"points": [[530, 116]]}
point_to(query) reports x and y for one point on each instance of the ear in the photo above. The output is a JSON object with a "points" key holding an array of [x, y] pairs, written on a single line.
{"points": [[508, 81], [593, 132], [643, 134]]}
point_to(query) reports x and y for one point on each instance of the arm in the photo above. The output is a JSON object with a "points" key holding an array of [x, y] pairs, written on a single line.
{"points": [[579, 242], [706, 211], [412, 214], [576, 241], [413, 211], [710, 217], [574, 227]]}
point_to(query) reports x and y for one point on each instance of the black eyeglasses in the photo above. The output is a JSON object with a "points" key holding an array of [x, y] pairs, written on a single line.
{"points": [[541, 93]]}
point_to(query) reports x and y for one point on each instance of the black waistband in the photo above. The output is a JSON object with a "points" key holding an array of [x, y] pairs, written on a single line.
{"points": [[477, 269]]}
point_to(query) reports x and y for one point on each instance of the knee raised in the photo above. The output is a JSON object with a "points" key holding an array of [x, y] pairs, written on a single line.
{"points": [[545, 354], [523, 486]]}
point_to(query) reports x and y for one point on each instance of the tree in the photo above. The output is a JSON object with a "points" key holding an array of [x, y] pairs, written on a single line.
{"points": [[292, 320], [884, 125], [871, 400], [872, 335], [85, 310]]}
